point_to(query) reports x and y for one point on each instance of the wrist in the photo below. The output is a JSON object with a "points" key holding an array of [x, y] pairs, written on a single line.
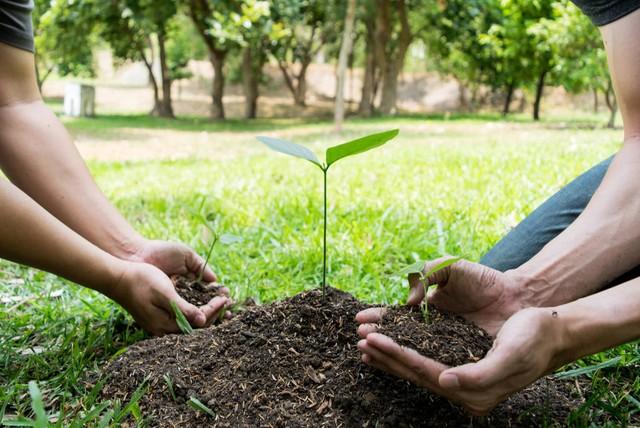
{"points": [[533, 288], [131, 249]]}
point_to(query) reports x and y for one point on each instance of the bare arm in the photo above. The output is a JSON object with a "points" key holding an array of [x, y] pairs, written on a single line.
{"points": [[604, 241], [38, 156]]}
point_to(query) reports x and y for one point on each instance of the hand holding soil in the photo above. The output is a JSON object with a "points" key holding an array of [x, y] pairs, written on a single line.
{"points": [[524, 349], [146, 293]]}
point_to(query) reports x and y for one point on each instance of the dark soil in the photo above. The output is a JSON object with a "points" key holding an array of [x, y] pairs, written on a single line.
{"points": [[295, 363], [196, 292]]}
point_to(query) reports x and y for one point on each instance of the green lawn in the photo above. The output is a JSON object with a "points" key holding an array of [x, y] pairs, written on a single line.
{"points": [[444, 186]]}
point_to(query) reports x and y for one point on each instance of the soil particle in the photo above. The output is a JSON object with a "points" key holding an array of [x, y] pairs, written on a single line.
{"points": [[295, 363]]}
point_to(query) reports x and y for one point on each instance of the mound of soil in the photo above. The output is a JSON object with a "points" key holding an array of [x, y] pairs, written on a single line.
{"points": [[295, 363]]}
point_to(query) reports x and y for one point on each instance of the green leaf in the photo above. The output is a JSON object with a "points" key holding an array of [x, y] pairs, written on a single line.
{"points": [[588, 369], [416, 267], [37, 404], [360, 145], [20, 422], [167, 380], [198, 405], [442, 265], [181, 320], [227, 238], [291, 149]]}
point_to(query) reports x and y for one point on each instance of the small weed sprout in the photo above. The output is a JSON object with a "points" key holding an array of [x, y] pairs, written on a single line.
{"points": [[418, 268], [169, 383], [181, 320], [200, 406], [333, 155]]}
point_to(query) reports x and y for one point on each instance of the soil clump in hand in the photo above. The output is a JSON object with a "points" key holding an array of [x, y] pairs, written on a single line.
{"points": [[295, 363]]}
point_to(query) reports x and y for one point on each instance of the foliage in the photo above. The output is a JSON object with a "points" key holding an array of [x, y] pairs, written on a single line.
{"points": [[64, 38], [181, 320]]}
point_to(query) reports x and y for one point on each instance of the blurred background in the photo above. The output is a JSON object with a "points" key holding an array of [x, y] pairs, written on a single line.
{"points": [[248, 58]]}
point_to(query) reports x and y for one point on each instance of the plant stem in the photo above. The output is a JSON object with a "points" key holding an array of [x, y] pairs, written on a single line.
{"points": [[206, 261], [324, 240]]}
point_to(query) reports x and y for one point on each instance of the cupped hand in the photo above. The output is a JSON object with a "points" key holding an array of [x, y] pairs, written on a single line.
{"points": [[146, 293], [480, 294], [526, 347], [173, 258]]}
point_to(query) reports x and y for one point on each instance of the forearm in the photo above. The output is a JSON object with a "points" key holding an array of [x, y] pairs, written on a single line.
{"points": [[31, 236], [38, 156], [600, 245], [598, 322]]}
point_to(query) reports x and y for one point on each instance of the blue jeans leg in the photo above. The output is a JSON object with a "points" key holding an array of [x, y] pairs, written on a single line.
{"points": [[545, 222]]}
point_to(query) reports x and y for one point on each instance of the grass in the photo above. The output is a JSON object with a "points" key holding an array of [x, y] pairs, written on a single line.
{"points": [[444, 186]]}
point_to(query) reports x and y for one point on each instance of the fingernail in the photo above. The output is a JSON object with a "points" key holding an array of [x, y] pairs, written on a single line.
{"points": [[449, 381]]}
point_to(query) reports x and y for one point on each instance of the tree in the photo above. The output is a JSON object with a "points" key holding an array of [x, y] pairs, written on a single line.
{"points": [[453, 38], [345, 51], [310, 24], [521, 46], [388, 36], [134, 29], [213, 21], [64, 38], [580, 59]]}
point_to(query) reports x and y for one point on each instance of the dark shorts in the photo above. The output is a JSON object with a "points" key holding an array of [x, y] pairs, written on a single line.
{"points": [[603, 12], [16, 28]]}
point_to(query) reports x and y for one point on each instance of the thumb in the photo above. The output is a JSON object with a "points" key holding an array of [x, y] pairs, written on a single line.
{"points": [[487, 372], [194, 315]]}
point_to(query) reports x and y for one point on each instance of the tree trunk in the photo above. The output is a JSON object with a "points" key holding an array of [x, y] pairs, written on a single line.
{"points": [[595, 100], [343, 59], [507, 101], [166, 107], [297, 83], [539, 93], [250, 81], [199, 11], [367, 94], [217, 58], [391, 63], [152, 78], [612, 104]]}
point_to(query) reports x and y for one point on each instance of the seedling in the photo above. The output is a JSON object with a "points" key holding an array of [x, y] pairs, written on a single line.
{"points": [[225, 238], [418, 267], [333, 155], [200, 406]]}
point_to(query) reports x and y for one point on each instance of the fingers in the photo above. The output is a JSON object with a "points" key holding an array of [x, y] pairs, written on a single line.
{"points": [[214, 307], [371, 315], [416, 291], [365, 329], [194, 315], [384, 353]]}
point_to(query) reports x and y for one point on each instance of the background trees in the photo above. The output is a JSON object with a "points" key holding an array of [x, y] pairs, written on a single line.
{"points": [[491, 47]]}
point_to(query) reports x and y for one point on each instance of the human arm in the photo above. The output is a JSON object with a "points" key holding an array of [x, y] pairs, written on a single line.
{"points": [[38, 156], [32, 236]]}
